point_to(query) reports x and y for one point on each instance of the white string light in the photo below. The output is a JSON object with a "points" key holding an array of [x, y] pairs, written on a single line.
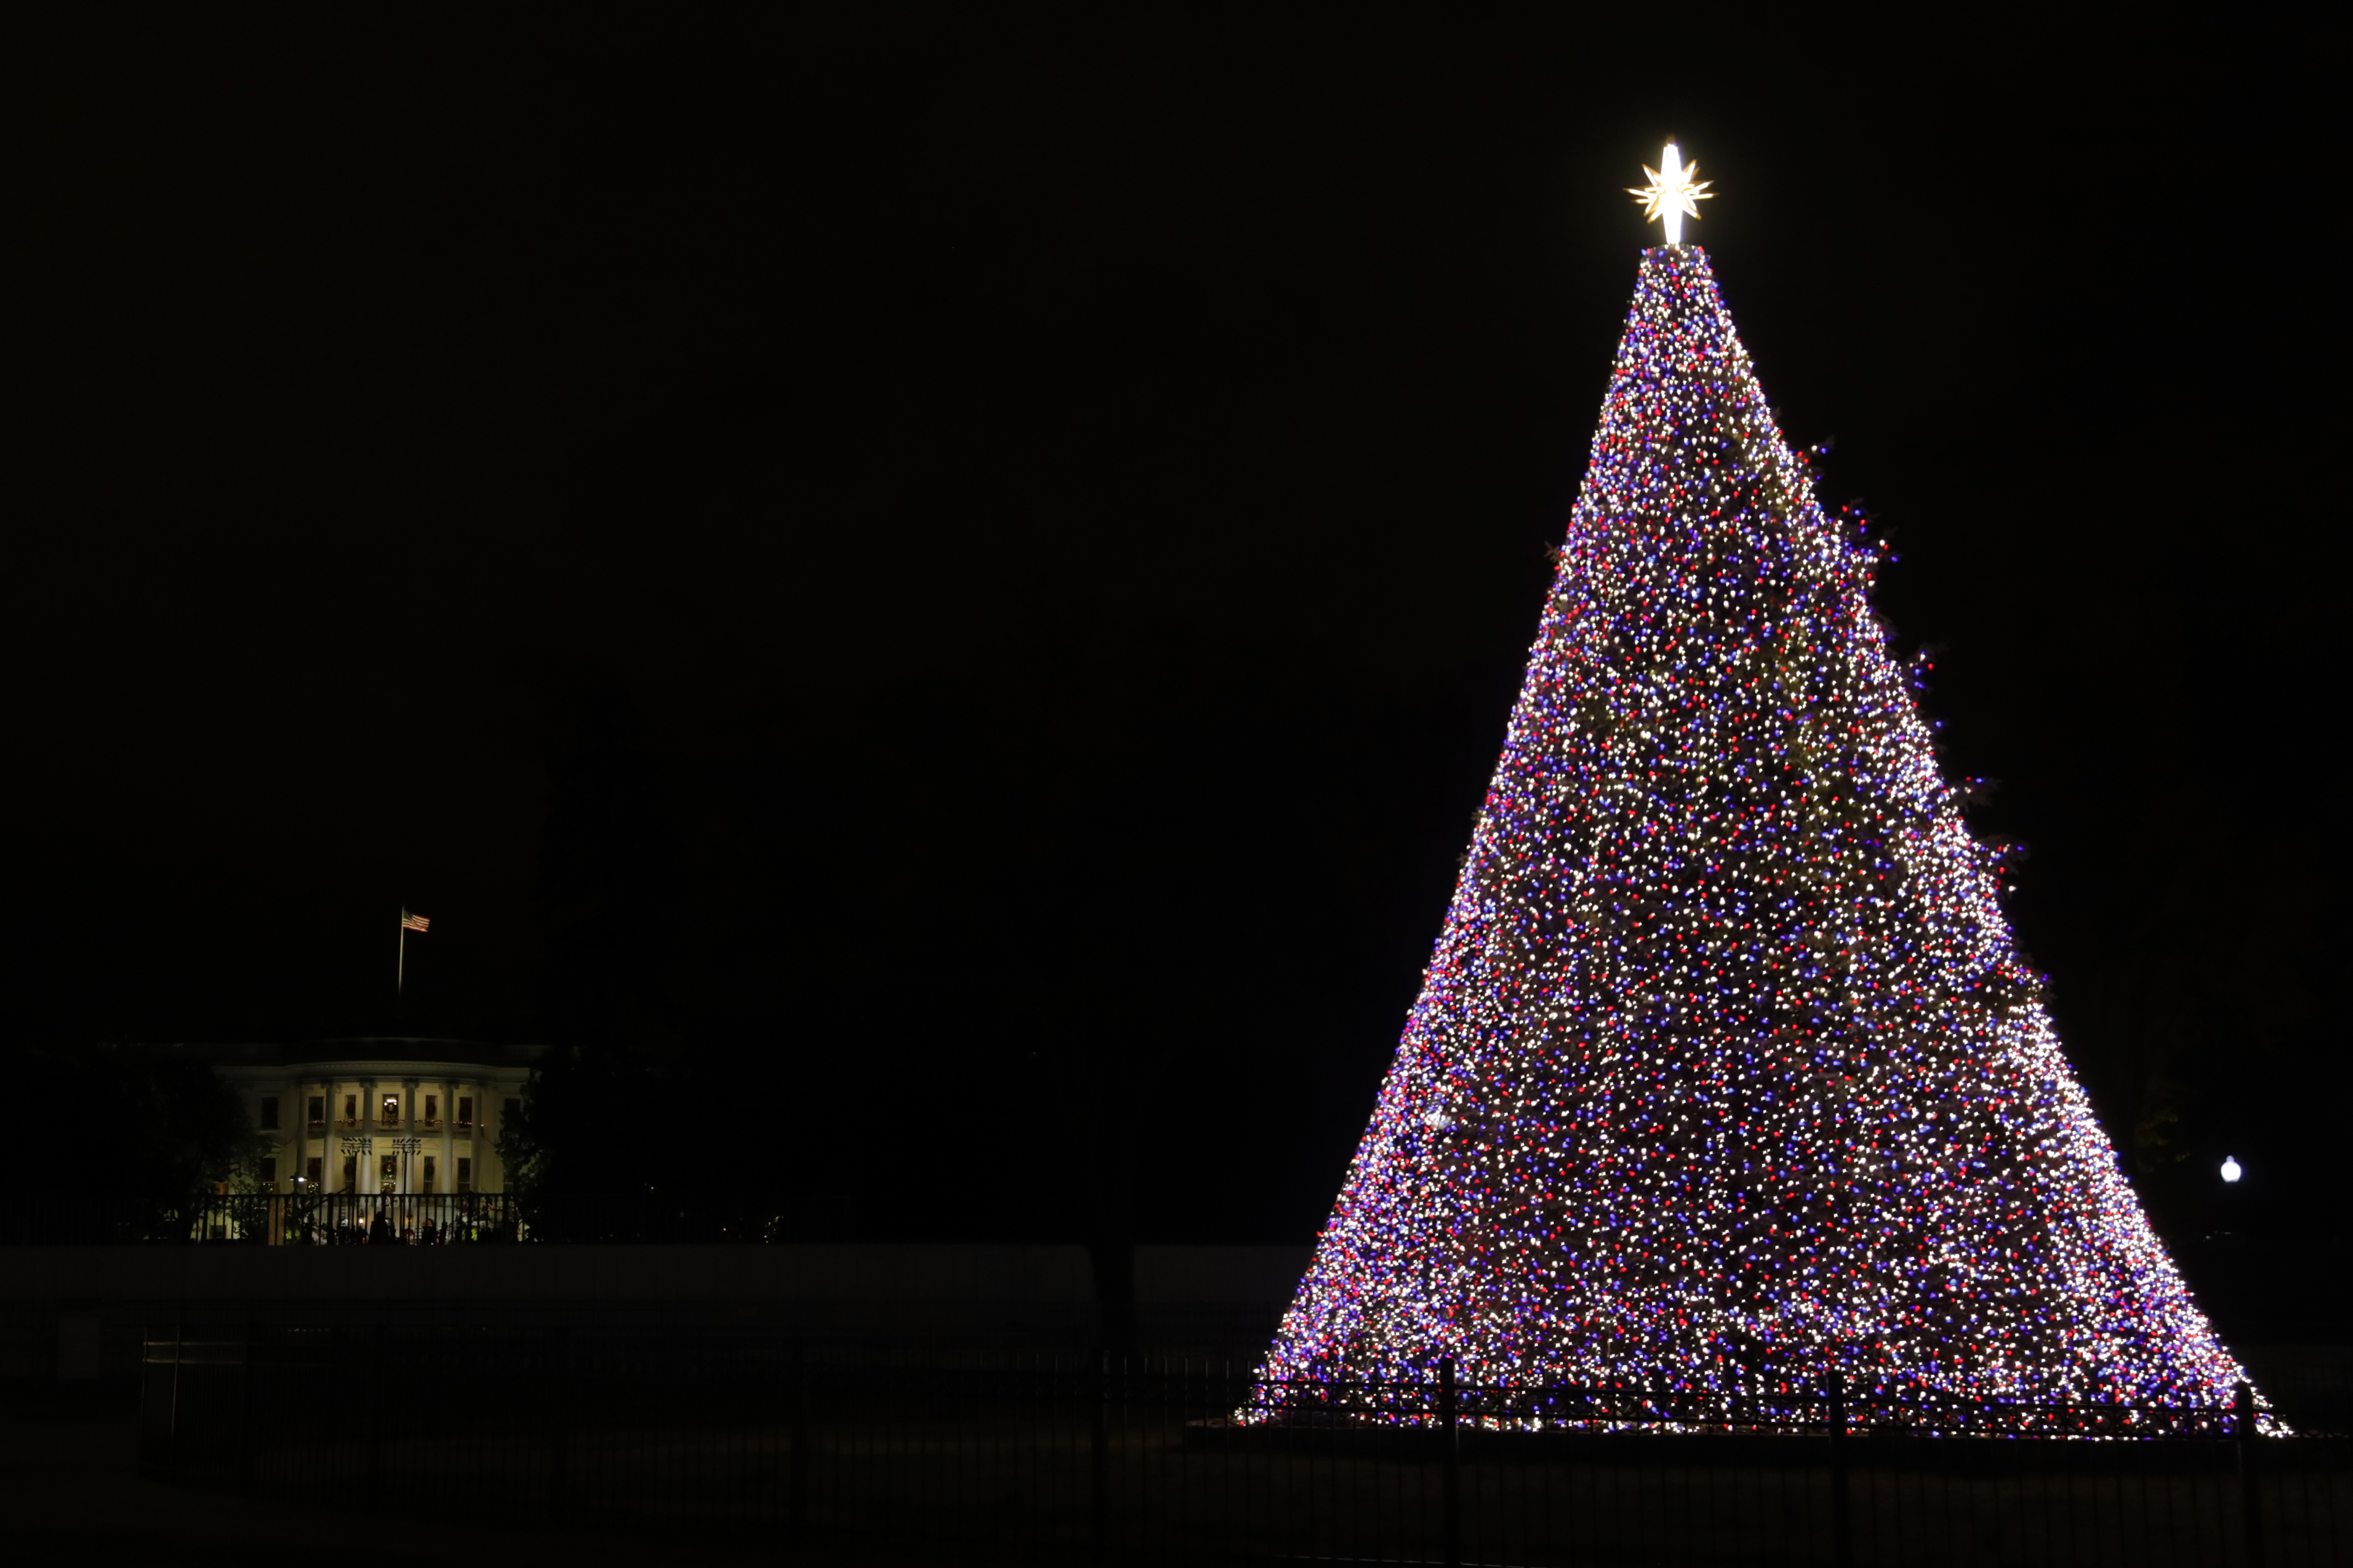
{"points": [[1727, 1073]]}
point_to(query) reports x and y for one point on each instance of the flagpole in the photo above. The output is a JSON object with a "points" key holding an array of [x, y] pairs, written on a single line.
{"points": [[409, 921]]}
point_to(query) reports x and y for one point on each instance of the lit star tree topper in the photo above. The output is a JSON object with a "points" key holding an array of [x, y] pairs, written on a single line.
{"points": [[1672, 194], [1727, 1075]]}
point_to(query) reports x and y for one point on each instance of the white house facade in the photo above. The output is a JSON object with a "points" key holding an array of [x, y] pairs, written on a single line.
{"points": [[378, 1116]]}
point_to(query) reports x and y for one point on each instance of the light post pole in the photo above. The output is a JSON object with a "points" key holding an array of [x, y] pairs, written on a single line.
{"points": [[407, 1145]]}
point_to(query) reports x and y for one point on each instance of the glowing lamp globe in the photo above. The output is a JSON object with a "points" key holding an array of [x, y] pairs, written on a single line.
{"points": [[2232, 1169]]}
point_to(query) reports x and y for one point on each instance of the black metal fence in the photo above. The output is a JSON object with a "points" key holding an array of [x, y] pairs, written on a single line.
{"points": [[1035, 1456], [326, 1219], [263, 1219]]}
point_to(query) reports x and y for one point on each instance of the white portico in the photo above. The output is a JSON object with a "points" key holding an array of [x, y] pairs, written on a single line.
{"points": [[379, 1115]]}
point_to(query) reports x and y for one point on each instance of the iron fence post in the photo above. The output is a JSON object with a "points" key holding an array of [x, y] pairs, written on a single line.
{"points": [[558, 1414], [171, 1416], [146, 1393], [1842, 1520], [1099, 1468], [375, 1488], [1450, 1460], [245, 1414], [2245, 1429], [797, 1501]]}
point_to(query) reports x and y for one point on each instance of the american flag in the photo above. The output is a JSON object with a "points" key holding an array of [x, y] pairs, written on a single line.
{"points": [[416, 923]]}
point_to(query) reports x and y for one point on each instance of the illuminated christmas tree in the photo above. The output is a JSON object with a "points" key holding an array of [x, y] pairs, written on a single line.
{"points": [[1725, 1074]]}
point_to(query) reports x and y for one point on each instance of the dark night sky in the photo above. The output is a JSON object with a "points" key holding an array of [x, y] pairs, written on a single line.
{"points": [[1051, 509]]}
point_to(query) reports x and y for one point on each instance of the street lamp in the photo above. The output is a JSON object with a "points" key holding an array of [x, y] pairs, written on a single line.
{"points": [[2232, 1169]]}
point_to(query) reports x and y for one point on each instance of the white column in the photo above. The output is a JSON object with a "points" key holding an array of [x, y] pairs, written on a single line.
{"points": [[285, 1161], [326, 1133], [363, 1173], [445, 1174], [486, 1147], [265, 1091], [408, 1165]]}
